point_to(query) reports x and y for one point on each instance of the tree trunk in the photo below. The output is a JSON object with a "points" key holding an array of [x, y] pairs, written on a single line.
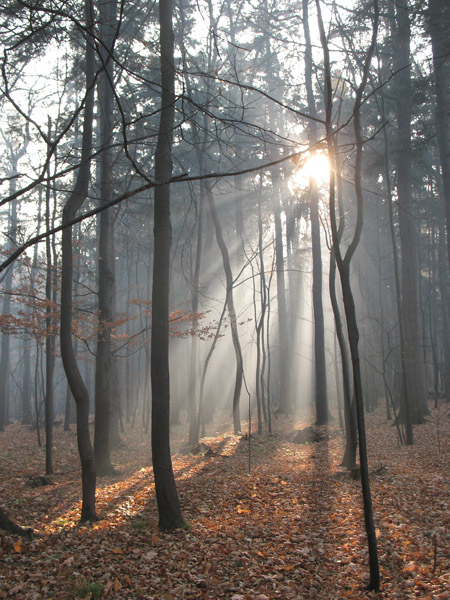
{"points": [[5, 343], [413, 336], [8, 525], [351, 434], [439, 25], [193, 429], [106, 284], [73, 204], [49, 344], [166, 493], [284, 406], [26, 392], [321, 400], [231, 312]]}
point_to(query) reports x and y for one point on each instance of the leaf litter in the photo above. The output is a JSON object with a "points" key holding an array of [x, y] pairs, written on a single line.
{"points": [[291, 529]]}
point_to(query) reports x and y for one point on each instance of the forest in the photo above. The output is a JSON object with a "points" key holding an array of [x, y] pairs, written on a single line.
{"points": [[225, 299]]}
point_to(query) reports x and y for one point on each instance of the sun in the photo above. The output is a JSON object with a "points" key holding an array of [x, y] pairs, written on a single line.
{"points": [[316, 167]]}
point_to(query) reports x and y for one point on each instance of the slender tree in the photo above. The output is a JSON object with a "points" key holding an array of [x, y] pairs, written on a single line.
{"points": [[166, 492], [15, 153], [319, 327], [343, 262], [49, 341], [72, 206]]}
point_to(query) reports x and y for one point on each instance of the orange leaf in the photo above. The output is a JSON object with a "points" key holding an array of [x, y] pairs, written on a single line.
{"points": [[18, 545], [243, 510], [117, 551], [117, 585]]}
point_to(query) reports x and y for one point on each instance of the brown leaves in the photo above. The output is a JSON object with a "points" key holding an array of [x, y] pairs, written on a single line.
{"points": [[289, 530]]}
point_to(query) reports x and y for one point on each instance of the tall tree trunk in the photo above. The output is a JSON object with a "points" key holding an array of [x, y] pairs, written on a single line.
{"points": [[283, 334], [193, 429], [5, 343], [439, 25], [106, 284], [49, 343], [415, 369], [166, 492], [443, 279], [73, 204], [26, 392], [351, 432], [405, 398], [321, 400]]}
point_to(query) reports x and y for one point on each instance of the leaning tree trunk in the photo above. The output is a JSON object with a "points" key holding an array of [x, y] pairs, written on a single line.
{"points": [[351, 432], [166, 492], [73, 204], [231, 312]]}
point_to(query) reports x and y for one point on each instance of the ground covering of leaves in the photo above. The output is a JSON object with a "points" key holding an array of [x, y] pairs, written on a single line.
{"points": [[291, 529]]}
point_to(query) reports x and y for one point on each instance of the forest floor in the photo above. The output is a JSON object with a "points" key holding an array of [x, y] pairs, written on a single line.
{"points": [[292, 528]]}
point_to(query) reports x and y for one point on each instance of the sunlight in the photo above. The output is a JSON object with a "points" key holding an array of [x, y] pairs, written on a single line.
{"points": [[316, 167]]}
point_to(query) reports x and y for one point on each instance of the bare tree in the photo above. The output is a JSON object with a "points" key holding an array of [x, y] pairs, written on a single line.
{"points": [[73, 205], [343, 262], [166, 492]]}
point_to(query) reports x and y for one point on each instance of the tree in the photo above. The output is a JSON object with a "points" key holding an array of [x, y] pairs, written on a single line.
{"points": [[49, 341], [72, 206], [415, 371], [104, 364], [166, 493], [438, 23], [15, 153], [343, 262], [319, 332]]}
